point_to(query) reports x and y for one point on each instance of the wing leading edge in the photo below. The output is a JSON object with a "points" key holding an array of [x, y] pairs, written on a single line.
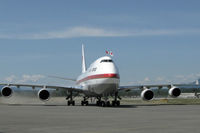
{"points": [[69, 88], [173, 90], [44, 90], [142, 87]]}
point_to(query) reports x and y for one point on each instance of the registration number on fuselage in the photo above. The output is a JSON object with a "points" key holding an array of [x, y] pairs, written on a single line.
{"points": [[93, 69]]}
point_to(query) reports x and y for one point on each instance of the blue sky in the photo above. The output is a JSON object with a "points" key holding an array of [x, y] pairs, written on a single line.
{"points": [[153, 41]]}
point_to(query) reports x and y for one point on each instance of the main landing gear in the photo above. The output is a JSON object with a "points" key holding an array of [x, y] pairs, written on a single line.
{"points": [[70, 99], [84, 102], [99, 102], [116, 102], [106, 103], [103, 103]]}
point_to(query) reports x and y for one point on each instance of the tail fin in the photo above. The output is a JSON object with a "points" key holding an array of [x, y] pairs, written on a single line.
{"points": [[197, 82], [83, 60]]}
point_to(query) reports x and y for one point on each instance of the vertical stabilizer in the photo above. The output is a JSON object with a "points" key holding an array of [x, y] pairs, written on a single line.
{"points": [[197, 82], [83, 60]]}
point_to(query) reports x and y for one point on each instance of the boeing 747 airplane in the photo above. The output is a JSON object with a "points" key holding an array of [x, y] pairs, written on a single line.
{"points": [[101, 80]]}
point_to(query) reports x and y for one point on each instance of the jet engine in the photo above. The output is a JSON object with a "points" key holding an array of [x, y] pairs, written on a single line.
{"points": [[147, 94], [174, 92], [43, 95], [6, 91]]}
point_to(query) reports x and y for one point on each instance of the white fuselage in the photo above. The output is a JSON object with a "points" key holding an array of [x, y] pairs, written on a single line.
{"points": [[101, 78]]}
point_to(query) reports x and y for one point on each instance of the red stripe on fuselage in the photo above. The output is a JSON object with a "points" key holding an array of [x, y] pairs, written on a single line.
{"points": [[98, 76]]}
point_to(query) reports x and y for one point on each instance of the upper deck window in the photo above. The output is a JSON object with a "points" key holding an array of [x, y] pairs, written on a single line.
{"points": [[106, 61]]}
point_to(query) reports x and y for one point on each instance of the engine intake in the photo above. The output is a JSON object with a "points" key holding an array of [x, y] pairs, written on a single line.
{"points": [[174, 92], [6, 91], [147, 94], [44, 95]]}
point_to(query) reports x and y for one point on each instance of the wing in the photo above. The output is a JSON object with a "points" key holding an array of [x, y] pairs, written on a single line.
{"points": [[43, 92], [147, 92], [69, 88], [183, 86]]}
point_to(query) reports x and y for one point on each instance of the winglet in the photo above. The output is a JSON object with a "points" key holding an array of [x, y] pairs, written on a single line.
{"points": [[83, 60]]}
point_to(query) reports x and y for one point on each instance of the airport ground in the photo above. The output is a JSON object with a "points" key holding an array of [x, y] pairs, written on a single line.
{"points": [[130, 117]]}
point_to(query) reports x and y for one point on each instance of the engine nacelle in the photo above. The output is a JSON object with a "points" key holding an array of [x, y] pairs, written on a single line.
{"points": [[147, 94], [43, 95], [174, 92], [6, 91]]}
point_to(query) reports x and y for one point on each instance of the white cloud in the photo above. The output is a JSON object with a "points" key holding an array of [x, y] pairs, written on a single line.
{"points": [[75, 32], [68, 33], [24, 78], [176, 79], [31, 78], [11, 78], [187, 78], [158, 79], [147, 79]]}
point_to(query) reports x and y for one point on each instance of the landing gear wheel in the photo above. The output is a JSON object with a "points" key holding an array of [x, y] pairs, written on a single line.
{"points": [[71, 103], [70, 99], [118, 103], [103, 104], [115, 103], [98, 103], [84, 103], [108, 104]]}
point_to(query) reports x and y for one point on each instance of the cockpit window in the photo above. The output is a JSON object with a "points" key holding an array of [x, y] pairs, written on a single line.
{"points": [[106, 61]]}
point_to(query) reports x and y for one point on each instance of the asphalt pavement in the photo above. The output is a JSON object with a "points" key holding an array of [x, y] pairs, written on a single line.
{"points": [[92, 119]]}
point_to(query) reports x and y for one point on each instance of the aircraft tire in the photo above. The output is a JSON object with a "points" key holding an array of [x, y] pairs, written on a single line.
{"points": [[108, 104], [68, 103], [86, 103], [103, 104], [98, 103], [73, 103], [118, 103], [113, 103]]}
